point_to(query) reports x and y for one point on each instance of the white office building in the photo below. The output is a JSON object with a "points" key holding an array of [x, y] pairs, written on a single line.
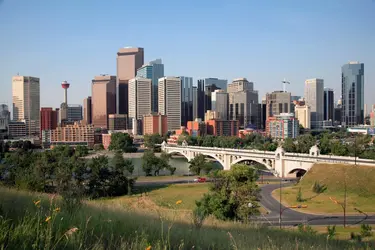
{"points": [[169, 90], [314, 97]]}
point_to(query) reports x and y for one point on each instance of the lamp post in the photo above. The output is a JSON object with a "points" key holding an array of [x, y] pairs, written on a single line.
{"points": [[280, 201]]}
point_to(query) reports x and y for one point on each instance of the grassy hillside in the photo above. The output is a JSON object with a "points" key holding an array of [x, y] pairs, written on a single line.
{"points": [[359, 182], [96, 225]]}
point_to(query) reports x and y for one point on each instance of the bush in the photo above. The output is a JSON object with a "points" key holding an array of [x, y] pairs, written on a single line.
{"points": [[299, 196], [306, 229], [331, 232], [319, 188], [199, 216], [366, 230]]}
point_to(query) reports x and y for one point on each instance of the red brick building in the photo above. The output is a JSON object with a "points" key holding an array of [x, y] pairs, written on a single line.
{"points": [[48, 119], [155, 124]]}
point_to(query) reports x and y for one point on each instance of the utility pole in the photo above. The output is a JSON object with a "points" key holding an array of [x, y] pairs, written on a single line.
{"points": [[280, 202], [344, 207]]}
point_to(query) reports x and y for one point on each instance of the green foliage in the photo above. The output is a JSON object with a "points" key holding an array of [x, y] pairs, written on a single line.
{"points": [[366, 230], [98, 147], [305, 142], [61, 170], [199, 164], [306, 229], [299, 196], [123, 142], [81, 151], [289, 145], [331, 232], [149, 162], [355, 237], [319, 188], [150, 141], [233, 194], [199, 215]]}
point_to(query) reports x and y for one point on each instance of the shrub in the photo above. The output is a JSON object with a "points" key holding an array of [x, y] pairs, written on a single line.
{"points": [[306, 229], [331, 232], [299, 196], [319, 188], [366, 230], [199, 215]]}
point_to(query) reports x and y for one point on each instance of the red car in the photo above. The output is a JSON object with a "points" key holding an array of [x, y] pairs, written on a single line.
{"points": [[200, 179]]}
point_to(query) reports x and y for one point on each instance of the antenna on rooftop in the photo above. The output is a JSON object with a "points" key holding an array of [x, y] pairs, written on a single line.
{"points": [[284, 84]]}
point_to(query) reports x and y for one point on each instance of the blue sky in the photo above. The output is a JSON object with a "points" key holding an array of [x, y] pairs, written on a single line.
{"points": [[263, 41]]}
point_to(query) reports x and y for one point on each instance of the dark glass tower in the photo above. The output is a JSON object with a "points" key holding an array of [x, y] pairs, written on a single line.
{"points": [[352, 87]]}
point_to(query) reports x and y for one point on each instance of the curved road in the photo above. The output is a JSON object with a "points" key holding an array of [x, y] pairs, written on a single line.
{"points": [[291, 217]]}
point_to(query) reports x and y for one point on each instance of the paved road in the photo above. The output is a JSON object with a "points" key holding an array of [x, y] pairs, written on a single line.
{"points": [[291, 217]]}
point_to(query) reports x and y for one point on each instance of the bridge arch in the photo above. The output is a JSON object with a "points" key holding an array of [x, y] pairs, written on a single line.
{"points": [[268, 166], [299, 172], [180, 153]]}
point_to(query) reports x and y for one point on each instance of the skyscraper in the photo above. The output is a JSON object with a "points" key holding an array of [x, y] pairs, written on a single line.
{"points": [[186, 99], [219, 100], [26, 102], [129, 60], [153, 70], [329, 104], [4, 120], [87, 118], [278, 102], [352, 88], [243, 103], [204, 90], [195, 102], [314, 97], [48, 119], [169, 90], [139, 98], [103, 99]]}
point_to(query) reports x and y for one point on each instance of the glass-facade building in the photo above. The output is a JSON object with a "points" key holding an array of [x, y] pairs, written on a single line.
{"points": [[352, 89], [329, 104], [153, 70], [186, 99]]}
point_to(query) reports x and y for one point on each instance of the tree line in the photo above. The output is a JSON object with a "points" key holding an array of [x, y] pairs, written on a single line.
{"points": [[63, 170]]}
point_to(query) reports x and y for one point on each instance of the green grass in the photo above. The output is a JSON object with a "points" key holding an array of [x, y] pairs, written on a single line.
{"points": [[360, 189], [117, 226], [343, 233]]}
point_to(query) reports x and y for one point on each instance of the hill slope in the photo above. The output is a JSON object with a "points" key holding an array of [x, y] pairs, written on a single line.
{"points": [[23, 224]]}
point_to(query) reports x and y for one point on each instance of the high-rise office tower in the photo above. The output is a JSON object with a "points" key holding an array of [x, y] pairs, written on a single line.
{"points": [[26, 102], [139, 98], [303, 115], [4, 120], [186, 99], [103, 100], [169, 91], [129, 60], [87, 110], [204, 90], [219, 100], [48, 119], [277, 102], [243, 103], [352, 88], [195, 102], [153, 70], [314, 97], [240, 84], [329, 104]]}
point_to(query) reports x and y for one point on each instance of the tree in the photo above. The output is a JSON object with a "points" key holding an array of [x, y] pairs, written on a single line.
{"points": [[233, 194], [150, 163], [150, 141], [123, 142], [197, 164], [81, 151], [289, 145], [325, 144], [98, 147], [304, 143]]}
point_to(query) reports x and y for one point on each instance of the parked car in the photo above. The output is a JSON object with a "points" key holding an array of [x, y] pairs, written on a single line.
{"points": [[200, 179]]}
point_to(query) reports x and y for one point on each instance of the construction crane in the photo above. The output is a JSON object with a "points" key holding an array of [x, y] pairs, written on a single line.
{"points": [[284, 84]]}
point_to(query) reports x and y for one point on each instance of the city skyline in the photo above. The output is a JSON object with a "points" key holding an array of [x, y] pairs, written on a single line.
{"points": [[286, 50]]}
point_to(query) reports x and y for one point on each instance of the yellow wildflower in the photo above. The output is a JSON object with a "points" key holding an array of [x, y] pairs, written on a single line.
{"points": [[36, 203], [57, 209], [148, 248], [178, 202], [48, 219]]}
